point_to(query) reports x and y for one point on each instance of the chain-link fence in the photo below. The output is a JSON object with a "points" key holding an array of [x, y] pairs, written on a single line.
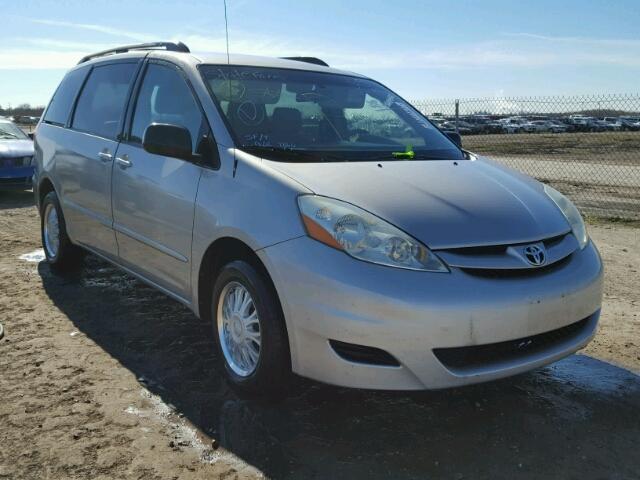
{"points": [[588, 147]]}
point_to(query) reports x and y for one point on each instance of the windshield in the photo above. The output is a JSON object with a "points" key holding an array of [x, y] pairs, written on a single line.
{"points": [[8, 131], [293, 115]]}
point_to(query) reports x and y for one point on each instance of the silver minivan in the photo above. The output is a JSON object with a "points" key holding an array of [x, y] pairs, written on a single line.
{"points": [[318, 221]]}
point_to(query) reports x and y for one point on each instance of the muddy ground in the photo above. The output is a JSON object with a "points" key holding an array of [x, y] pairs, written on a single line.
{"points": [[102, 377]]}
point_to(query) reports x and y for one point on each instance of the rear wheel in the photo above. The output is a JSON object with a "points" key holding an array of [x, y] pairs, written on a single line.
{"points": [[250, 332], [61, 254]]}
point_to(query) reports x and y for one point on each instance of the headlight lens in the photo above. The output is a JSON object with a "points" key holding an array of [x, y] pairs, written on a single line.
{"points": [[571, 213], [364, 236]]}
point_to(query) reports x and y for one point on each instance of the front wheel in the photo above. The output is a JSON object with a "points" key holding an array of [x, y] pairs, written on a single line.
{"points": [[250, 332], [61, 254]]}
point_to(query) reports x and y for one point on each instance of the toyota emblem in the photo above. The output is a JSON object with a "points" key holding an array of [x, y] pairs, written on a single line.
{"points": [[535, 255]]}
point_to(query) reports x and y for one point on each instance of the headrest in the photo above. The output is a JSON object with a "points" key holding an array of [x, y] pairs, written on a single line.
{"points": [[289, 118]]}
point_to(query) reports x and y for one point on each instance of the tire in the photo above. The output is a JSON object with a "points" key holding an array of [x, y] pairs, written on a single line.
{"points": [[62, 255], [270, 374]]}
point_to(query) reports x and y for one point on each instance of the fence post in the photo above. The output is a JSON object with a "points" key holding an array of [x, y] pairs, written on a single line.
{"points": [[457, 115]]}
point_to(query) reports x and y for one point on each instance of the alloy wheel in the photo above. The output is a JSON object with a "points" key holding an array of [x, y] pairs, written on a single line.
{"points": [[51, 230], [239, 329]]}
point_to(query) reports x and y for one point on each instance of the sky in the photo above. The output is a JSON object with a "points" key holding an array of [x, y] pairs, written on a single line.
{"points": [[421, 49]]}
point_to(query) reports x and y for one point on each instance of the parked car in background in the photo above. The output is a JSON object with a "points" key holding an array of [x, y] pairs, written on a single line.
{"points": [[630, 123], [491, 126], [460, 127], [438, 121], [16, 157], [597, 125], [611, 124], [27, 120], [513, 124], [535, 126], [468, 125], [272, 197], [550, 126], [469, 128], [581, 123], [563, 123]]}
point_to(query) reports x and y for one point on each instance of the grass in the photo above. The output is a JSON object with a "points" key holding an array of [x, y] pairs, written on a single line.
{"points": [[596, 220]]}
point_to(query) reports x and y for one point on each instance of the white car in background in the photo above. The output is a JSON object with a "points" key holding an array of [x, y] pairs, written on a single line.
{"points": [[611, 123], [580, 121], [513, 124], [537, 126]]}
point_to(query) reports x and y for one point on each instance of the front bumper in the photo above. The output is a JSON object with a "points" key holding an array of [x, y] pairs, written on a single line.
{"points": [[16, 177], [327, 295]]}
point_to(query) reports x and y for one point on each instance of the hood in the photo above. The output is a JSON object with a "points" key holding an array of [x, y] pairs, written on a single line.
{"points": [[16, 148], [444, 204]]}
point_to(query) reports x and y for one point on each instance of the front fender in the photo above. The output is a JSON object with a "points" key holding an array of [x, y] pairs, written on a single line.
{"points": [[252, 203]]}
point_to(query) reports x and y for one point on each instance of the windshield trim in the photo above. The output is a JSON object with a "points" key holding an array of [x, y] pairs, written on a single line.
{"points": [[232, 134]]}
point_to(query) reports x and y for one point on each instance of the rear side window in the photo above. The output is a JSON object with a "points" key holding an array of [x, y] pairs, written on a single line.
{"points": [[103, 98], [62, 101]]}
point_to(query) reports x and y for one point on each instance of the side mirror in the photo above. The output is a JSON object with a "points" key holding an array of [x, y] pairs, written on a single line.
{"points": [[168, 140], [455, 138]]}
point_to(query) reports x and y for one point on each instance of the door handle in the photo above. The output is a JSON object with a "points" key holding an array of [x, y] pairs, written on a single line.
{"points": [[105, 156], [124, 161]]}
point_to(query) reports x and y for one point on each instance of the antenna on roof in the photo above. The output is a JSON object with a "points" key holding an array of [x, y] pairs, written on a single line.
{"points": [[226, 29]]}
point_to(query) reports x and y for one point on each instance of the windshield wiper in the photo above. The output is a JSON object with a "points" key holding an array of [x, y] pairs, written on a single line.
{"points": [[404, 156], [8, 135], [279, 154], [407, 154]]}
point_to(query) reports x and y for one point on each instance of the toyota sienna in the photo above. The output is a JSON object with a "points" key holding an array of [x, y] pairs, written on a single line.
{"points": [[318, 221]]}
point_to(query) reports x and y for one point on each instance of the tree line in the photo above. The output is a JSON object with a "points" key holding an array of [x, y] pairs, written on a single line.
{"points": [[22, 110]]}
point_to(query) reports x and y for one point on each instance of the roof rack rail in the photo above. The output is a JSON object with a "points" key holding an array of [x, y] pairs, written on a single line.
{"points": [[314, 60], [168, 46]]}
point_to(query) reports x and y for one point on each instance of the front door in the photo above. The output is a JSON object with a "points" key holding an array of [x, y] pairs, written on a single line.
{"points": [[153, 195]]}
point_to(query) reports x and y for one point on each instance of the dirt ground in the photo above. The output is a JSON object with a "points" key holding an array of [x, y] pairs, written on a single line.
{"points": [[600, 171], [102, 377], [608, 148]]}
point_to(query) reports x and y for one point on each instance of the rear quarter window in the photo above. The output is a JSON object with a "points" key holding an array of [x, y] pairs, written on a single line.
{"points": [[62, 101]]}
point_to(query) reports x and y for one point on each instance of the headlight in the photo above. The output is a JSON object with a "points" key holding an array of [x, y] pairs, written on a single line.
{"points": [[571, 213], [364, 236]]}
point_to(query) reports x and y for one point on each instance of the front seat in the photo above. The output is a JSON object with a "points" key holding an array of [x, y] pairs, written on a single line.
{"points": [[286, 125]]}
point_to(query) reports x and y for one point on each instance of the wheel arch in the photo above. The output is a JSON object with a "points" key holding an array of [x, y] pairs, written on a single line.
{"points": [[217, 254], [45, 186]]}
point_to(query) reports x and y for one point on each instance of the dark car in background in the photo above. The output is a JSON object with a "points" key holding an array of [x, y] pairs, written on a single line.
{"points": [[16, 156], [482, 124], [630, 124]]}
